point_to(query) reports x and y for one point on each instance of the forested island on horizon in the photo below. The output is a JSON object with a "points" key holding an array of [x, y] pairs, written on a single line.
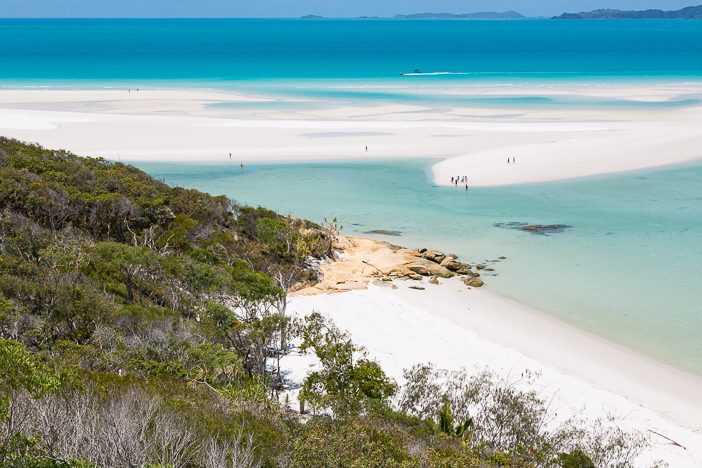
{"points": [[690, 12]]}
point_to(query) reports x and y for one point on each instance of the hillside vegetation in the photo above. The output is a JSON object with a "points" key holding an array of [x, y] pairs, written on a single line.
{"points": [[143, 325]]}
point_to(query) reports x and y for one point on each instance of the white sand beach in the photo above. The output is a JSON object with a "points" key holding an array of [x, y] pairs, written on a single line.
{"points": [[448, 324], [581, 376], [193, 126], [454, 326]]}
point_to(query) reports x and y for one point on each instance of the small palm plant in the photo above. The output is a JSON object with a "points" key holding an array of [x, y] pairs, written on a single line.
{"points": [[446, 421]]}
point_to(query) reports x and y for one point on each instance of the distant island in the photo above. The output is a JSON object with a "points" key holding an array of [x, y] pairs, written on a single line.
{"points": [[478, 15], [311, 17], [691, 12]]}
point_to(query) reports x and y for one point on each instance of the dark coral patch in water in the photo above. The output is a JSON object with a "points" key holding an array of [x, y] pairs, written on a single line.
{"points": [[384, 232], [540, 229]]}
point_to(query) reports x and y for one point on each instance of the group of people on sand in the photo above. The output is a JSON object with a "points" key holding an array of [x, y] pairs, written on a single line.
{"points": [[461, 179], [464, 179]]}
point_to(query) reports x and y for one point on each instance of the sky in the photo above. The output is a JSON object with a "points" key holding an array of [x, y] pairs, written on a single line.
{"points": [[296, 8]]}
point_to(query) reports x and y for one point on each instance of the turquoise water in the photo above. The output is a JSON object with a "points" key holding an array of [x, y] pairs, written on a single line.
{"points": [[310, 65], [628, 269], [229, 52], [437, 96]]}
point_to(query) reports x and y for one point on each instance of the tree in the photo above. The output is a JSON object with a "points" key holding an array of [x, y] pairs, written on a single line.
{"points": [[20, 371], [347, 379], [575, 459], [250, 321], [124, 263]]}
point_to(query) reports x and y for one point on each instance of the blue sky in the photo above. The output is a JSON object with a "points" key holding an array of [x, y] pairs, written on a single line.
{"points": [[295, 8]]}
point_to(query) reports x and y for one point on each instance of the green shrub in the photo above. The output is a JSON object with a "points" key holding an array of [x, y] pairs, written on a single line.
{"points": [[575, 459]]}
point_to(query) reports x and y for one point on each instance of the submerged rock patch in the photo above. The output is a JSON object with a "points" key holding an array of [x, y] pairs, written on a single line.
{"points": [[384, 232], [540, 229]]}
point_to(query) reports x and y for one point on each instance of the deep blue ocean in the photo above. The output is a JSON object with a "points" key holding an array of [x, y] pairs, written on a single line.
{"points": [[219, 52]]}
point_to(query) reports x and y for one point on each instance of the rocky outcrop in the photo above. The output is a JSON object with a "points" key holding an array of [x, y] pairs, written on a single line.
{"points": [[364, 261], [428, 268], [433, 255], [474, 282], [451, 263], [433, 264]]}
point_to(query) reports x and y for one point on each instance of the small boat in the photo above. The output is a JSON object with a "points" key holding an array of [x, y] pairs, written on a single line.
{"points": [[416, 71]]}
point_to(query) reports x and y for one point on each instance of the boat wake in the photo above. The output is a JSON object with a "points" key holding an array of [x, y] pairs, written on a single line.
{"points": [[434, 73]]}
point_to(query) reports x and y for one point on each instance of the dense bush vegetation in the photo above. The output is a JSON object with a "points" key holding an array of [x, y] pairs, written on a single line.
{"points": [[143, 325]]}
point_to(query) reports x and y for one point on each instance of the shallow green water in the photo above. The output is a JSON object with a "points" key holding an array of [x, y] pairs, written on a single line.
{"points": [[628, 269]]}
